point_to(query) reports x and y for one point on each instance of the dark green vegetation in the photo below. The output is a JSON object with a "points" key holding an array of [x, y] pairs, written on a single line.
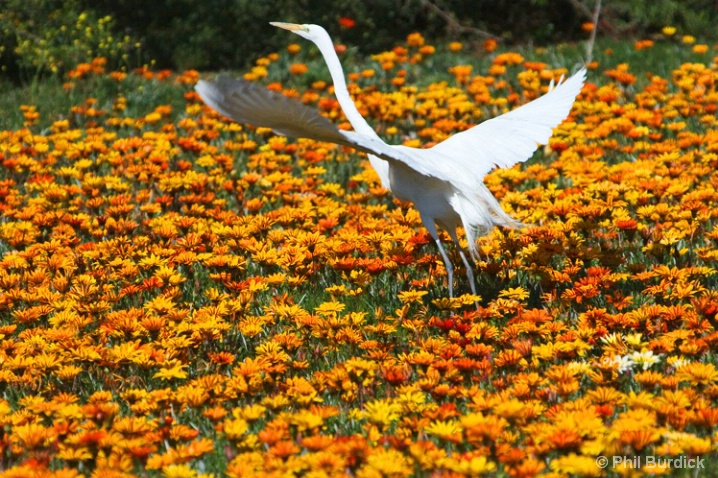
{"points": [[38, 37]]}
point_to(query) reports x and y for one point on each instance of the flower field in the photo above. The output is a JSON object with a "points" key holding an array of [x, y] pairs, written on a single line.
{"points": [[183, 296]]}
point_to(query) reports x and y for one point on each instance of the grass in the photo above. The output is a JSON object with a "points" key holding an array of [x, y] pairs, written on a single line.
{"points": [[184, 296]]}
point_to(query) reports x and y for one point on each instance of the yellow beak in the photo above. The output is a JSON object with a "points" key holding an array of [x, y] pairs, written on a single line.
{"points": [[292, 27]]}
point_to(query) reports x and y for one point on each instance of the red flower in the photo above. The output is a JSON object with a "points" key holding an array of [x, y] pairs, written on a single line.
{"points": [[346, 22]]}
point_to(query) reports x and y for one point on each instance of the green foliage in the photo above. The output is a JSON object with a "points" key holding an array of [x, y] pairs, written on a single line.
{"points": [[646, 16], [216, 34], [231, 33], [52, 36]]}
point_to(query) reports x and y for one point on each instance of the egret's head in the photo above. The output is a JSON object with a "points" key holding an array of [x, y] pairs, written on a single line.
{"points": [[310, 32]]}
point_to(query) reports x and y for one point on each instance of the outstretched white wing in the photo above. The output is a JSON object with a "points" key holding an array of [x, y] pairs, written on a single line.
{"points": [[462, 160], [512, 137], [247, 102]]}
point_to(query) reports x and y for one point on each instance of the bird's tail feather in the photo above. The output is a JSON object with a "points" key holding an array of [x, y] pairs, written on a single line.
{"points": [[479, 214]]}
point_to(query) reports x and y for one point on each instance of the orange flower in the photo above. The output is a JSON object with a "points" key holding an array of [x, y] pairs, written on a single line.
{"points": [[643, 44], [298, 68], [490, 45], [415, 40]]}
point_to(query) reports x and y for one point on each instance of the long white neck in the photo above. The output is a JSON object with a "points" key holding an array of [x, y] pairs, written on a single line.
{"points": [[340, 88], [350, 110]]}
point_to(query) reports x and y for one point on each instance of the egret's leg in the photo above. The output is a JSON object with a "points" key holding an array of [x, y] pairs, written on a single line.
{"points": [[448, 266], [467, 263], [431, 227], [469, 271]]}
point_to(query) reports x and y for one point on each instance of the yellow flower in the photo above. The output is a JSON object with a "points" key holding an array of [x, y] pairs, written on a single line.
{"points": [[578, 465], [697, 373], [509, 409], [250, 413], [153, 117], [235, 428], [668, 31], [178, 471], [175, 371], [410, 296], [518, 293], [329, 308], [31, 436], [386, 462], [634, 340], [301, 391], [160, 305], [74, 454], [469, 465], [382, 412], [688, 39], [445, 430], [306, 420]]}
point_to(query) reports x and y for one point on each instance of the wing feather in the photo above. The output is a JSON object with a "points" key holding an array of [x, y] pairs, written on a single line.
{"points": [[247, 102], [512, 137]]}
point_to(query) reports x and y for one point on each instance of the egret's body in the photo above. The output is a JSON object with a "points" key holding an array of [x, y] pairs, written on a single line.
{"points": [[445, 182]]}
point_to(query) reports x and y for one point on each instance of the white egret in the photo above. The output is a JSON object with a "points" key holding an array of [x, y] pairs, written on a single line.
{"points": [[444, 182]]}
